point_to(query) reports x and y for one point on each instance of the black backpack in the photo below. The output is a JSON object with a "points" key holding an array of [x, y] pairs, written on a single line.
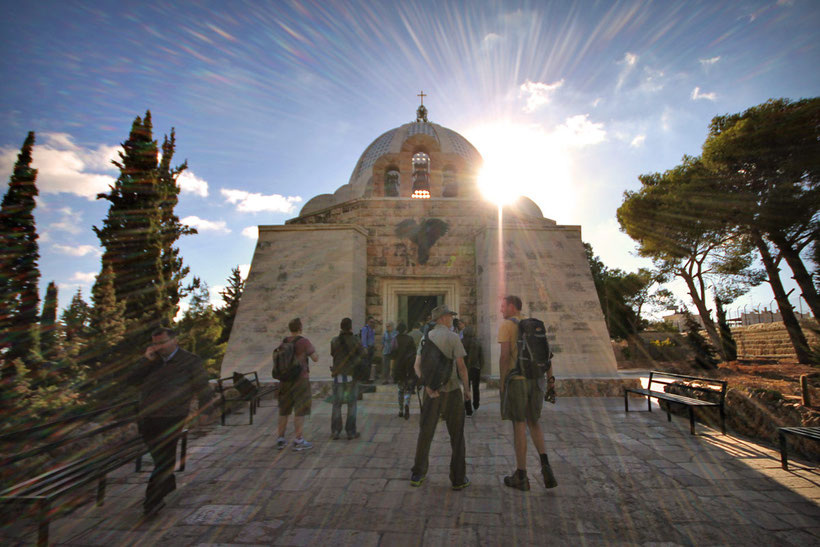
{"points": [[286, 367], [436, 368], [534, 355]]}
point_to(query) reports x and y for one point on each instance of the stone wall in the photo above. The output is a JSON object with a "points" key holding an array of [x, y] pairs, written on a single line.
{"points": [[771, 340], [315, 273]]}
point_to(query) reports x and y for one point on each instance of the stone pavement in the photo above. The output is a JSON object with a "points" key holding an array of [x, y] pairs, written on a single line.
{"points": [[624, 479]]}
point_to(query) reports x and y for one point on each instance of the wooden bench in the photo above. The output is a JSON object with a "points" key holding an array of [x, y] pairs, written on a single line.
{"points": [[63, 477], [715, 389], [253, 399], [806, 432]]}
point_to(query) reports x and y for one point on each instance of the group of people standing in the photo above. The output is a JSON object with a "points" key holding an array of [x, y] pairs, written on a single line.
{"points": [[169, 377]]}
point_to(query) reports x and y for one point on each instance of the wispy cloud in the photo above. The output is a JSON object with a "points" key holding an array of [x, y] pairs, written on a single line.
{"points": [[490, 41], [709, 62], [191, 184], [84, 277], [247, 202], [579, 131], [76, 250], [638, 141], [538, 93], [70, 221], [204, 225], [629, 62], [64, 166], [251, 232], [697, 95]]}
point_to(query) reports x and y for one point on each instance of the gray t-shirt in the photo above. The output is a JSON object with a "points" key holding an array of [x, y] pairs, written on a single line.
{"points": [[450, 345]]}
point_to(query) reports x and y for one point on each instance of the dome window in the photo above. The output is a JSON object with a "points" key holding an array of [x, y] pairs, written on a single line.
{"points": [[421, 176], [391, 183], [450, 183]]}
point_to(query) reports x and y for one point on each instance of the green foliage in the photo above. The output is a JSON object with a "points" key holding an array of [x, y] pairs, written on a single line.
{"points": [[51, 343], [665, 343], [200, 329], [726, 338], [230, 298], [107, 350], [661, 326], [76, 323], [19, 273], [704, 352]]}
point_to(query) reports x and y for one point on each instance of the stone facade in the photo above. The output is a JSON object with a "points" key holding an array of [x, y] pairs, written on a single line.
{"points": [[357, 253]]}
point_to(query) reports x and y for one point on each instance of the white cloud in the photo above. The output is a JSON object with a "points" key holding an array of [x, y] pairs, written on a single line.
{"points": [[579, 131], [490, 40], [244, 269], [63, 166], [191, 184], [203, 225], [652, 80], [215, 295], [247, 202], [251, 232], [709, 62], [629, 61], [696, 95], [76, 250], [70, 221], [538, 93], [638, 141], [84, 277]]}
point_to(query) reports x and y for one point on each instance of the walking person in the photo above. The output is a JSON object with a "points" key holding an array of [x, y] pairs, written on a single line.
{"points": [[404, 356], [168, 378], [474, 362], [521, 400], [294, 396], [347, 354], [368, 337], [388, 336], [447, 401]]}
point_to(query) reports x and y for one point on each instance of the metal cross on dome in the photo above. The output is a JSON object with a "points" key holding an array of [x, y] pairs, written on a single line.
{"points": [[421, 111], [422, 95]]}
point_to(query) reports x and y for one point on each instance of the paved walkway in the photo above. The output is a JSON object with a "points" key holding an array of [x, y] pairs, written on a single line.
{"points": [[626, 479]]}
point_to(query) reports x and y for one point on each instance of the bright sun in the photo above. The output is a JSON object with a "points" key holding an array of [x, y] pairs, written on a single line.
{"points": [[524, 160]]}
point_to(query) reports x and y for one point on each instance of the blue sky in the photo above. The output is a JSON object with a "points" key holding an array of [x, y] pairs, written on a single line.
{"points": [[273, 102]]}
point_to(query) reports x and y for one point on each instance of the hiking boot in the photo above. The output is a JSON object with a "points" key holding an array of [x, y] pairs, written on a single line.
{"points": [[549, 478], [351, 436], [281, 443], [336, 436], [416, 479], [518, 480], [301, 444], [406, 412], [463, 485], [152, 509], [401, 413]]}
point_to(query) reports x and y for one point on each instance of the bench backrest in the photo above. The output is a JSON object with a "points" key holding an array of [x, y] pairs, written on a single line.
{"points": [[251, 376], [704, 385]]}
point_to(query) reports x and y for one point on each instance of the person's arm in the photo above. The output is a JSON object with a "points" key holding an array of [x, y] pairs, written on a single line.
{"points": [[142, 367], [314, 356], [465, 379]]}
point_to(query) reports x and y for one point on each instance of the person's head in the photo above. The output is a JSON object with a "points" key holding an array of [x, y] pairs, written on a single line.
{"points": [[510, 306], [346, 325], [389, 326], [457, 324], [443, 315], [295, 326], [371, 322], [164, 341], [402, 328]]}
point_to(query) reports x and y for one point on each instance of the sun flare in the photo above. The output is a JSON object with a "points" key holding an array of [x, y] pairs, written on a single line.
{"points": [[521, 160]]}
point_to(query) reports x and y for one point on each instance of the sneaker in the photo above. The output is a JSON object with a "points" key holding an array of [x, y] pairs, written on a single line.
{"points": [[401, 413], [406, 412], [336, 436], [463, 485], [281, 443], [351, 436], [518, 481], [301, 444], [549, 478], [416, 479]]}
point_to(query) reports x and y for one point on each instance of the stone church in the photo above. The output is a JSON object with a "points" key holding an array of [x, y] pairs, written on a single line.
{"points": [[409, 231]]}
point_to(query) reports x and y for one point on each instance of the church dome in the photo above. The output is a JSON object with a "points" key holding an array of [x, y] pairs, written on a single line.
{"points": [[453, 164]]}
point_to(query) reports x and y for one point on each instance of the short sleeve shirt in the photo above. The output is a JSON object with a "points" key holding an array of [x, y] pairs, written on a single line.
{"points": [[450, 345], [508, 332], [303, 349]]}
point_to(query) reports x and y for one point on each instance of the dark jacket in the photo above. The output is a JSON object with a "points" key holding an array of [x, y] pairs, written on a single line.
{"points": [[475, 356], [404, 355], [346, 352], [166, 389]]}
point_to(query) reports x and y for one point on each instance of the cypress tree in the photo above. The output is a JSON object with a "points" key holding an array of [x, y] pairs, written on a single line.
{"points": [[726, 338], [704, 352], [230, 298], [76, 320], [50, 339], [107, 348], [19, 274]]}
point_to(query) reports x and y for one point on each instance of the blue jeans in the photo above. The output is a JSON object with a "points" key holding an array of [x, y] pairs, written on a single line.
{"points": [[344, 393]]}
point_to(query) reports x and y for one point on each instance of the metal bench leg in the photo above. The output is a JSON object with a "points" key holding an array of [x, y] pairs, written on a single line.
{"points": [[722, 420], [138, 464], [626, 401], [222, 408], [43, 519], [649, 403], [668, 415], [692, 420], [250, 412], [101, 491], [183, 451], [784, 458]]}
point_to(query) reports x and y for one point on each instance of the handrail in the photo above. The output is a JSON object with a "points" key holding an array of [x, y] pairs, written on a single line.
{"points": [[11, 435]]}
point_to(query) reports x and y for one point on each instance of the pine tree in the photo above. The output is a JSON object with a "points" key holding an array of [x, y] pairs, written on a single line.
{"points": [[200, 328], [230, 298], [76, 319], [51, 346], [704, 352], [19, 274], [106, 350], [726, 338]]}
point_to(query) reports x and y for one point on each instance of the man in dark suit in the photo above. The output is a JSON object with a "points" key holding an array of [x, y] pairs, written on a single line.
{"points": [[168, 377]]}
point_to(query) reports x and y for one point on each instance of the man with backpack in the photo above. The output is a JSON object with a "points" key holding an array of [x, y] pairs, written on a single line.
{"points": [[443, 396], [347, 354], [521, 398], [294, 394]]}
